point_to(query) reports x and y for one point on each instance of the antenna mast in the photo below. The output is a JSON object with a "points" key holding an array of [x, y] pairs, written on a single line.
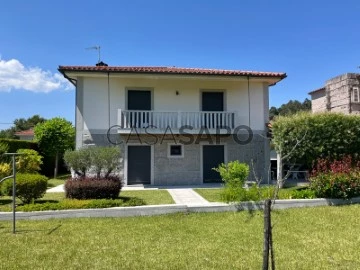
{"points": [[98, 48]]}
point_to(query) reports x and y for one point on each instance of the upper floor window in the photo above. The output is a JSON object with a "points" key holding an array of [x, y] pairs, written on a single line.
{"points": [[139, 100], [355, 94]]}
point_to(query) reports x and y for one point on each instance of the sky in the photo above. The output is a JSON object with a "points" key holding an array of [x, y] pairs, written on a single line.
{"points": [[312, 41]]}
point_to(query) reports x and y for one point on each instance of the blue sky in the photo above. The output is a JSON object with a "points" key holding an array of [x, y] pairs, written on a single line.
{"points": [[311, 41]]}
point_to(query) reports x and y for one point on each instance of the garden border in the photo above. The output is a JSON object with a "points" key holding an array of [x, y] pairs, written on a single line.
{"points": [[151, 210]]}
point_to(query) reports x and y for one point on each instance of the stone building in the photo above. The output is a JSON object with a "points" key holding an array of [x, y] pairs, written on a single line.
{"points": [[340, 94]]}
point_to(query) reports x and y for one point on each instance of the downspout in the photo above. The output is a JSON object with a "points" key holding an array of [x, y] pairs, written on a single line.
{"points": [[108, 82], [248, 89]]}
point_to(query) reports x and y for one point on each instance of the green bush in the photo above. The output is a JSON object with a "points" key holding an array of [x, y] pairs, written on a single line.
{"points": [[105, 159], [234, 175], [5, 170], [79, 161], [29, 161], [101, 159], [336, 185], [327, 135], [29, 187]]}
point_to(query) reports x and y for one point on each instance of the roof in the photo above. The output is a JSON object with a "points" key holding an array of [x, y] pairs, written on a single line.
{"points": [[172, 70], [29, 132], [317, 90]]}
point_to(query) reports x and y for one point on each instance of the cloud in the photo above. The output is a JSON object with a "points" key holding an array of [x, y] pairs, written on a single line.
{"points": [[15, 76]]}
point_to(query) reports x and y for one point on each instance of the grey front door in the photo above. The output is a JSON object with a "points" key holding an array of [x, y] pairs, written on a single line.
{"points": [[213, 155], [139, 164]]}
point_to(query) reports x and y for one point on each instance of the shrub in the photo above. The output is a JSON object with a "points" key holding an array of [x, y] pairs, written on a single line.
{"points": [[336, 179], [336, 185], [5, 170], [29, 162], [327, 135], [105, 158], [78, 160], [99, 158], [93, 188], [234, 175], [28, 186]]}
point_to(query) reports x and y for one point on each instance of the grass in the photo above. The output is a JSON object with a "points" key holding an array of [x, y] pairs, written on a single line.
{"points": [[53, 182], [214, 194], [57, 201], [307, 238]]}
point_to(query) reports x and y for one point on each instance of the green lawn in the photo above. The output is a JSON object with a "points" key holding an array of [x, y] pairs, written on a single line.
{"points": [[308, 238], [127, 198], [55, 182]]}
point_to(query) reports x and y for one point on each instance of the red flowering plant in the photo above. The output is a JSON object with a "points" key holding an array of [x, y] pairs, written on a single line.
{"points": [[336, 179]]}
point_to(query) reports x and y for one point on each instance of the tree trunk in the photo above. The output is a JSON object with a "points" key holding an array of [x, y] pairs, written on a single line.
{"points": [[272, 256], [267, 228], [280, 176], [56, 164]]}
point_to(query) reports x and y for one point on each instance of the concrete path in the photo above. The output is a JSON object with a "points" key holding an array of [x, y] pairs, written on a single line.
{"points": [[187, 196], [59, 188]]}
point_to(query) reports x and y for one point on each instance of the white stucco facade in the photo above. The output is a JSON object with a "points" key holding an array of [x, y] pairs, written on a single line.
{"points": [[100, 96]]}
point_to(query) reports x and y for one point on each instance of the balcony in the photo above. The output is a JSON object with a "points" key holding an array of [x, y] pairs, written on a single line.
{"points": [[160, 121]]}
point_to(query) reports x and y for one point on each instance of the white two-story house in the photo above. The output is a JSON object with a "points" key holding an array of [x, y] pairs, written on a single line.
{"points": [[174, 124]]}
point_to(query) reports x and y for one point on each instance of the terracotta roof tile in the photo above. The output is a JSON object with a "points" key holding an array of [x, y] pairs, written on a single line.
{"points": [[29, 132], [172, 70]]}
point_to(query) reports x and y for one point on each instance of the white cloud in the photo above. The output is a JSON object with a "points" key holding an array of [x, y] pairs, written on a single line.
{"points": [[14, 75]]}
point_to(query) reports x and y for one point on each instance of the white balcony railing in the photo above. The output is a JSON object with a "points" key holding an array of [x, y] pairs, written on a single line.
{"points": [[175, 120]]}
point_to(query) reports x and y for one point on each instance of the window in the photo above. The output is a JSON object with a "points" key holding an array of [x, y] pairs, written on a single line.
{"points": [[175, 151], [355, 94]]}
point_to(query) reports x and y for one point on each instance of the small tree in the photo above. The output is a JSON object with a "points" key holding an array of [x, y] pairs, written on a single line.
{"points": [[78, 160], [101, 159], [54, 137]]}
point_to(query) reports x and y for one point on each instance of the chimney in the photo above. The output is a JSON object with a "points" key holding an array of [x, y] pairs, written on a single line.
{"points": [[101, 64]]}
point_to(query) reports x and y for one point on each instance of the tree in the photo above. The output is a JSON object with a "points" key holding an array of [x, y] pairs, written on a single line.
{"points": [[21, 124], [54, 137], [290, 108]]}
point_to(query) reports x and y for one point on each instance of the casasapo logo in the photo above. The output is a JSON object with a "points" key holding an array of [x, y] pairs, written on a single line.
{"points": [[186, 135]]}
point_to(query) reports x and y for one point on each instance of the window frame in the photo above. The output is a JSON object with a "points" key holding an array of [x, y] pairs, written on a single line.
{"points": [[355, 89], [169, 155]]}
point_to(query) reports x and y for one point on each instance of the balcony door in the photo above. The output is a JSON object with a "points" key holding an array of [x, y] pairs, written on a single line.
{"points": [[212, 102], [139, 101]]}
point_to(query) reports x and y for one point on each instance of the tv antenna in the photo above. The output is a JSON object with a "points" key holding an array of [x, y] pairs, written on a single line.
{"points": [[95, 48]]}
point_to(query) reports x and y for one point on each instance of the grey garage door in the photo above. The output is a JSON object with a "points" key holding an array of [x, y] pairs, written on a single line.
{"points": [[139, 165], [213, 155]]}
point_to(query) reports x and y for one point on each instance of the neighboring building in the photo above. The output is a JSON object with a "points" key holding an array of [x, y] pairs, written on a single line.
{"points": [[156, 113], [340, 94], [27, 135]]}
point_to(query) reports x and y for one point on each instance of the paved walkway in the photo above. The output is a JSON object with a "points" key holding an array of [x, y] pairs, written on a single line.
{"points": [[187, 196]]}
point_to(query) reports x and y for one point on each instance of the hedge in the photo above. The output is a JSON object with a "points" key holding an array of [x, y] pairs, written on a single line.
{"points": [[321, 135], [93, 188], [15, 145], [48, 161]]}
